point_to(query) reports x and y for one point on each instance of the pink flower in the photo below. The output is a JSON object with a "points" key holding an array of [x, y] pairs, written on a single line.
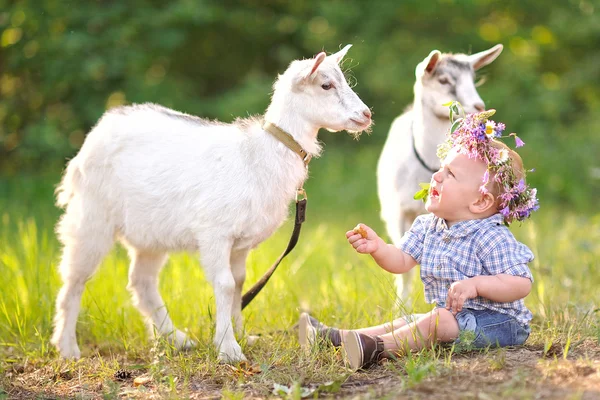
{"points": [[519, 142], [473, 137]]}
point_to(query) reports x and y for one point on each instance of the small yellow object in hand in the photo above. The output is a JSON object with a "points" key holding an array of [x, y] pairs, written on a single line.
{"points": [[360, 230]]}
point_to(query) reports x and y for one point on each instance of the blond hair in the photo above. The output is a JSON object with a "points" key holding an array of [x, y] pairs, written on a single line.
{"points": [[516, 165]]}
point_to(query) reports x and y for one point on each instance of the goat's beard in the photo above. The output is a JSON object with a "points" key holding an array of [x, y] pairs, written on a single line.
{"points": [[356, 134]]}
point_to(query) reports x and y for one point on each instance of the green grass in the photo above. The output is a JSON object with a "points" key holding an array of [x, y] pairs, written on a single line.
{"points": [[323, 274]]}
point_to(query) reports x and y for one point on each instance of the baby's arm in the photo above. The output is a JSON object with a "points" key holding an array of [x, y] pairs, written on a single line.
{"points": [[502, 288], [507, 277], [387, 256]]}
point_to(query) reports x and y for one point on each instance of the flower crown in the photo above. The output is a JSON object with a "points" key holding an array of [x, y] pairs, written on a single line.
{"points": [[473, 136]]}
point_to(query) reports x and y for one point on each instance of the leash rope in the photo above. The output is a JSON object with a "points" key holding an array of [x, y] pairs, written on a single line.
{"points": [[290, 143], [300, 217]]}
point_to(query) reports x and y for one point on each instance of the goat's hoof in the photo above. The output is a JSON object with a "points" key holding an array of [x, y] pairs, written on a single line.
{"points": [[181, 341], [231, 354], [226, 359], [68, 351], [187, 345], [251, 340]]}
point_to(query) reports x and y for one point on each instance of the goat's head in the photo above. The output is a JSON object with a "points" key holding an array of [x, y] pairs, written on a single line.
{"points": [[442, 78], [317, 89]]}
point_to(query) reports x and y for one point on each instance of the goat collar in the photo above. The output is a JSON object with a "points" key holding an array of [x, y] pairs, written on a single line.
{"points": [[288, 141], [423, 164]]}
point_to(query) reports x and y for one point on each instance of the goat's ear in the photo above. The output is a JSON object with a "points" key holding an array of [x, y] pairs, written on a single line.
{"points": [[319, 58], [428, 64], [484, 58], [337, 57]]}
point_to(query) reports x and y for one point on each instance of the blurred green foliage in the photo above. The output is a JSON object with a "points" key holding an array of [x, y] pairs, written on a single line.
{"points": [[63, 63]]}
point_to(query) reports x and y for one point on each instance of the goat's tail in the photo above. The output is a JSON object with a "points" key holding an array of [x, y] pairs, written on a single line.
{"points": [[70, 181]]}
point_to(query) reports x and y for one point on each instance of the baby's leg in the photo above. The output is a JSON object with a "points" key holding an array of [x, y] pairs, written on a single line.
{"points": [[382, 329], [438, 325], [309, 329]]}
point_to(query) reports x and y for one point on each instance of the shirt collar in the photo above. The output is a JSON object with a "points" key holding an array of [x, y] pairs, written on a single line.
{"points": [[464, 228]]}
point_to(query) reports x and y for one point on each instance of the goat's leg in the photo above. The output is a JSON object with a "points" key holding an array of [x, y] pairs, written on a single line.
{"points": [[143, 285], [83, 250], [404, 281], [238, 268], [394, 222], [391, 203], [216, 262]]}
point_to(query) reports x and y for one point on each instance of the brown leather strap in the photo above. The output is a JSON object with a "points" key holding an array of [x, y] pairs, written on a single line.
{"points": [[300, 217], [288, 141]]}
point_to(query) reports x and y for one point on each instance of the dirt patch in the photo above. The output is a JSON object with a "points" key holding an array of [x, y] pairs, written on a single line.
{"points": [[526, 372], [520, 373]]}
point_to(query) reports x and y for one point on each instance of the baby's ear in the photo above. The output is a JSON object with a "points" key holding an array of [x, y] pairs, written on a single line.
{"points": [[484, 203]]}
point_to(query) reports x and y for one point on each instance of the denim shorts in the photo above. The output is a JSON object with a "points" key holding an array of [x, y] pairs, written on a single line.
{"points": [[491, 329]]}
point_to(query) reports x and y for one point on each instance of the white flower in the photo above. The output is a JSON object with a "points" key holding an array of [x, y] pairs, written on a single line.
{"points": [[502, 156], [490, 126]]}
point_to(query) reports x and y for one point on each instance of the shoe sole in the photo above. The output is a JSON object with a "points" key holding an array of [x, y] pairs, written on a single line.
{"points": [[353, 351]]}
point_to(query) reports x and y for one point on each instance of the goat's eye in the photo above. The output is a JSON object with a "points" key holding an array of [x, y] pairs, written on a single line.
{"points": [[327, 86], [443, 80]]}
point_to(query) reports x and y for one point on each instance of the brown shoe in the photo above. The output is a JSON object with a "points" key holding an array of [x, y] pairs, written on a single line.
{"points": [[360, 350], [310, 329]]}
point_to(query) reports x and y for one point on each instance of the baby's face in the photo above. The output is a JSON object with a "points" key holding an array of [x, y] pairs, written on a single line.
{"points": [[455, 186]]}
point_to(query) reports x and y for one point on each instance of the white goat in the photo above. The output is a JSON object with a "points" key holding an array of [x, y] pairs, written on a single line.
{"points": [[159, 180], [409, 154]]}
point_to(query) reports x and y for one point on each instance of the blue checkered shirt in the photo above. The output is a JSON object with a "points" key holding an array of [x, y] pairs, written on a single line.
{"points": [[467, 249]]}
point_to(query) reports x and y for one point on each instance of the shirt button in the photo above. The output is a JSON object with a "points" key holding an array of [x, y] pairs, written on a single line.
{"points": [[439, 267], [446, 239]]}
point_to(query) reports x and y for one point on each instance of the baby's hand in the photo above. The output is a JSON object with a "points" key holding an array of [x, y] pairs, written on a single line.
{"points": [[363, 239], [360, 230], [459, 292]]}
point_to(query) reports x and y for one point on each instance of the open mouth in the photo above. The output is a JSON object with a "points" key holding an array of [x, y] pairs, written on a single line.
{"points": [[434, 193]]}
